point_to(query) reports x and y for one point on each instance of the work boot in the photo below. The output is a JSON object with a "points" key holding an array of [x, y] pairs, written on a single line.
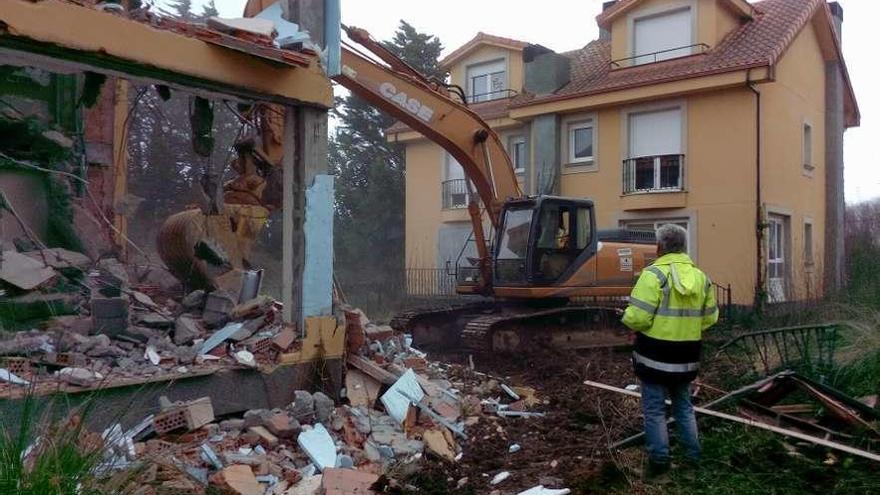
{"points": [[656, 472]]}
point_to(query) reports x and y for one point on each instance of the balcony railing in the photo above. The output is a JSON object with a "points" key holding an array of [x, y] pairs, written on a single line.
{"points": [[661, 173], [454, 193], [492, 95], [659, 56]]}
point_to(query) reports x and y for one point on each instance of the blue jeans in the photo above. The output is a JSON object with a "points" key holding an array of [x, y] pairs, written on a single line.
{"points": [[654, 411]]}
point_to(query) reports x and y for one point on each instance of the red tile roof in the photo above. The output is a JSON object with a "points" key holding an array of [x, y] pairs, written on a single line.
{"points": [[487, 110], [759, 42], [481, 38]]}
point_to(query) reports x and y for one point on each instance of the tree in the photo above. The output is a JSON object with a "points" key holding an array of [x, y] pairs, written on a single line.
{"points": [[182, 9], [210, 10], [370, 176]]}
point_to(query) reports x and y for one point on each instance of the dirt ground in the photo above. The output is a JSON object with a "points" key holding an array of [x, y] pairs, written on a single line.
{"points": [[567, 448]]}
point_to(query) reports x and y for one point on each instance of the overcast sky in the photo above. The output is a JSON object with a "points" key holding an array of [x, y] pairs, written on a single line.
{"points": [[571, 24]]}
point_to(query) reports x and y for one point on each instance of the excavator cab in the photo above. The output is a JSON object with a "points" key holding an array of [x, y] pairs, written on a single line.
{"points": [[543, 240]]}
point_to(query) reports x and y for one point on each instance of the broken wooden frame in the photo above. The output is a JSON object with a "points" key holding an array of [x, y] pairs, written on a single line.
{"points": [[756, 424]]}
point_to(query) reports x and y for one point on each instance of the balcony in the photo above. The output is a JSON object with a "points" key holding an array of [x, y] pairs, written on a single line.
{"points": [[659, 56], [653, 174], [454, 194], [491, 95]]}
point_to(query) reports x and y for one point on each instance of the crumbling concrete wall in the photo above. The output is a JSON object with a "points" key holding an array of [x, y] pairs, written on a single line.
{"points": [[26, 192]]}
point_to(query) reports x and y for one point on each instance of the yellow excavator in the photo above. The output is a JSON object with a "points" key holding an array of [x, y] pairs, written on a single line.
{"points": [[540, 277]]}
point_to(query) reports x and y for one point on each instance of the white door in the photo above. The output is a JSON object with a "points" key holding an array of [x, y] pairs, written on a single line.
{"points": [[776, 259]]}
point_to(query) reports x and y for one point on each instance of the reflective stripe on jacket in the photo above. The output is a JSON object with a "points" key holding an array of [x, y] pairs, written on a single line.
{"points": [[670, 306]]}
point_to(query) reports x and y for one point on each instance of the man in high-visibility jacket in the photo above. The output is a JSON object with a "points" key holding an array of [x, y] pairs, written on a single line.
{"points": [[671, 305]]}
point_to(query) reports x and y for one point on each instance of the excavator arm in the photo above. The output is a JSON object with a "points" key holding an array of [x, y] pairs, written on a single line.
{"points": [[427, 107]]}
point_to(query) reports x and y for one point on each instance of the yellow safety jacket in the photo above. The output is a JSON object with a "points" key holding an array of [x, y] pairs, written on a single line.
{"points": [[670, 306]]}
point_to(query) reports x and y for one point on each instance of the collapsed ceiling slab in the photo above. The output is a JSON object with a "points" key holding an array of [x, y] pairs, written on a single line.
{"points": [[60, 35]]}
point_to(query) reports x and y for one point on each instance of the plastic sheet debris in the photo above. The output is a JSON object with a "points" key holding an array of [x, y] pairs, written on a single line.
{"points": [[7, 376]]}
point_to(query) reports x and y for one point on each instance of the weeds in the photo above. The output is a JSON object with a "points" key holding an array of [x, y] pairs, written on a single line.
{"points": [[42, 456]]}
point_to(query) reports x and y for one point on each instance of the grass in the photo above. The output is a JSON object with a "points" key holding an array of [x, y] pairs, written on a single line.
{"points": [[45, 456]]}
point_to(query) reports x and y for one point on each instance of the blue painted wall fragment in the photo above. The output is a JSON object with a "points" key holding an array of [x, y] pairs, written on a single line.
{"points": [[333, 36], [318, 271]]}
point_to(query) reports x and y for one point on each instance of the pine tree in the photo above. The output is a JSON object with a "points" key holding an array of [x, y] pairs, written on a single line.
{"points": [[181, 9], [210, 10], [370, 177]]}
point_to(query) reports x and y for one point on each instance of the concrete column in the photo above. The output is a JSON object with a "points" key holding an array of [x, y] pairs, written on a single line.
{"points": [[545, 142], [835, 206], [527, 175], [317, 283]]}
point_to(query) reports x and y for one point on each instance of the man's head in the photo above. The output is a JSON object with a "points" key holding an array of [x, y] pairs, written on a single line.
{"points": [[671, 238]]}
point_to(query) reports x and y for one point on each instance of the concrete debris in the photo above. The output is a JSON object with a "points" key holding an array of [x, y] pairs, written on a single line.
{"points": [[186, 329], [500, 478], [398, 398], [24, 272], [347, 482], [195, 300], [239, 480], [80, 376], [60, 259], [323, 407], [303, 406], [318, 445], [261, 27], [540, 490], [245, 358], [440, 443]]}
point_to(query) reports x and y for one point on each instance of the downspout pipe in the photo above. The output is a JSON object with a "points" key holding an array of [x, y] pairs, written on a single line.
{"points": [[759, 218]]}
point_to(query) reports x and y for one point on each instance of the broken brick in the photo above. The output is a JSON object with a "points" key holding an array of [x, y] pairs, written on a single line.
{"points": [[266, 439], [347, 481]]}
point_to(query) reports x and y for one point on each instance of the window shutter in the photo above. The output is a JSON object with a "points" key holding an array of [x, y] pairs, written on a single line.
{"points": [[655, 133], [663, 32]]}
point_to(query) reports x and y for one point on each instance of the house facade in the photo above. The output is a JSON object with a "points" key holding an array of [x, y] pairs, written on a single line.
{"points": [[723, 116]]}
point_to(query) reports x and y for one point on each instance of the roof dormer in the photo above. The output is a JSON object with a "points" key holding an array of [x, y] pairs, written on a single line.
{"points": [[649, 31], [487, 67]]}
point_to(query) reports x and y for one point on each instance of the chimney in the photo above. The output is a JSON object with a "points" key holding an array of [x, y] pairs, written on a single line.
{"points": [[604, 34], [545, 70], [835, 206], [837, 17]]}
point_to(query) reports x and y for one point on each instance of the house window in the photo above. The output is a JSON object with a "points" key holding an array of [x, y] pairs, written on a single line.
{"points": [[581, 143], [663, 36], [454, 187], [487, 81], [808, 243], [808, 147], [651, 225], [517, 151], [655, 162], [777, 269]]}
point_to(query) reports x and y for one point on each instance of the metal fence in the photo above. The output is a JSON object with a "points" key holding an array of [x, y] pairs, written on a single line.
{"points": [[429, 282]]}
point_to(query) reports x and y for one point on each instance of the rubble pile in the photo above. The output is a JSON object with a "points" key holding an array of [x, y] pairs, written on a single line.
{"points": [[396, 413], [86, 324]]}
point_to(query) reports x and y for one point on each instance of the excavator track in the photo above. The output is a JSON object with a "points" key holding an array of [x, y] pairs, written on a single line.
{"points": [[569, 327], [439, 326]]}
